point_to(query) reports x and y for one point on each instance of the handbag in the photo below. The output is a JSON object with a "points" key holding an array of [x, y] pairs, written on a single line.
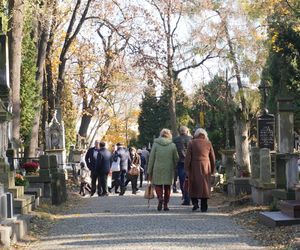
{"points": [[149, 193], [115, 166], [109, 180], [134, 170]]}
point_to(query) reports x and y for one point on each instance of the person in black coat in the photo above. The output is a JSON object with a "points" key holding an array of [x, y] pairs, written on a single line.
{"points": [[103, 167], [91, 162]]}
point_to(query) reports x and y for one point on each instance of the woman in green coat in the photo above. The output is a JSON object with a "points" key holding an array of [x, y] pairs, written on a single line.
{"points": [[161, 167]]}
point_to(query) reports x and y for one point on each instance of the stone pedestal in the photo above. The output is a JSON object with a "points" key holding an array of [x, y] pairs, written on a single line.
{"points": [[286, 176], [58, 182], [239, 185], [60, 156], [265, 166], [285, 125], [228, 162], [261, 187], [255, 163], [43, 181], [21, 203], [55, 138], [3, 206]]}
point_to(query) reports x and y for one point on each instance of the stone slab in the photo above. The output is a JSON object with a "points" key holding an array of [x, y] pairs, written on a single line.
{"points": [[3, 207], [257, 183], [44, 162], [282, 194], [5, 234], [46, 188], [4, 168], [17, 191], [1, 189], [8, 179], [38, 179], [237, 186], [37, 191], [290, 208], [24, 205], [18, 225], [274, 219], [261, 196], [45, 173]]}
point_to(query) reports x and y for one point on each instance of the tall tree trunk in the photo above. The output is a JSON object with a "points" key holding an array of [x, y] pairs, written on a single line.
{"points": [[85, 122], [50, 96], [70, 37], [172, 110], [16, 10], [241, 129], [42, 47]]}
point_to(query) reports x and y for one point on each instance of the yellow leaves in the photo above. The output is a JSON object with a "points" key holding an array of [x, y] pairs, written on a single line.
{"points": [[274, 37], [264, 8], [296, 27]]}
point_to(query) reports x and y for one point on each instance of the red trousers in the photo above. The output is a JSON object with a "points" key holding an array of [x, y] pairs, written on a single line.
{"points": [[163, 193]]}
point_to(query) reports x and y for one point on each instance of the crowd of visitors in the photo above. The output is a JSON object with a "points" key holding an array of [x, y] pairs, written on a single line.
{"points": [[191, 159]]}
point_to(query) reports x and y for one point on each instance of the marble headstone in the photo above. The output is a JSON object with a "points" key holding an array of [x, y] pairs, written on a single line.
{"points": [[10, 206]]}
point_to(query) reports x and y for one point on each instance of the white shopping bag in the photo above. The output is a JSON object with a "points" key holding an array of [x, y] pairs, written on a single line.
{"points": [[109, 180]]}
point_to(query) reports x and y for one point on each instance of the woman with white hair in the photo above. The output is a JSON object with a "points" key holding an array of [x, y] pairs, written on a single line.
{"points": [[199, 165], [161, 167]]}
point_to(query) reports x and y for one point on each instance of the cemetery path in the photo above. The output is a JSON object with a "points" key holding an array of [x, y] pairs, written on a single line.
{"points": [[126, 222]]}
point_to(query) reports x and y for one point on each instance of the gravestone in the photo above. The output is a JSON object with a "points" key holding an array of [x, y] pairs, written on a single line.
{"points": [[261, 185], [266, 131], [3, 203], [22, 203], [42, 181], [286, 170], [55, 139], [10, 206], [3, 207], [265, 166], [285, 125], [58, 182], [255, 163], [228, 162]]}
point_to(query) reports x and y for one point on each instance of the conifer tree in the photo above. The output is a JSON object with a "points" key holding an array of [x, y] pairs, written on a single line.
{"points": [[149, 117]]}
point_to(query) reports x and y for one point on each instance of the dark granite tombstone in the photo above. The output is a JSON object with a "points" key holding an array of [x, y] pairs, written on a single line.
{"points": [[10, 205], [265, 131]]}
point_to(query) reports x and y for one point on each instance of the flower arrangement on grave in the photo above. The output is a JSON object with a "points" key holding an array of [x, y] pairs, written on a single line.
{"points": [[31, 167], [20, 180], [245, 173]]}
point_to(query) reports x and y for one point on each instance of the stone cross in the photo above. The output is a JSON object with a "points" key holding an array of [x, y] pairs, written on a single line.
{"points": [[264, 88]]}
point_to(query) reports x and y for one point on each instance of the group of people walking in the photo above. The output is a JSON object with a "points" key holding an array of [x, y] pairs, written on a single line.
{"points": [[125, 164], [192, 159]]}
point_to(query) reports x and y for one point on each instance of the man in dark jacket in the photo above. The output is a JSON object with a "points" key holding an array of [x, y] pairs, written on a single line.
{"points": [[124, 156], [181, 143], [91, 162], [103, 167]]}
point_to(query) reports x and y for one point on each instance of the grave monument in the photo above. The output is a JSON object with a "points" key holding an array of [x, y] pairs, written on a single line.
{"points": [[55, 139]]}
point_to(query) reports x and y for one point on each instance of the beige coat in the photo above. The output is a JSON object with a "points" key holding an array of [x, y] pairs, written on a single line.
{"points": [[199, 165]]}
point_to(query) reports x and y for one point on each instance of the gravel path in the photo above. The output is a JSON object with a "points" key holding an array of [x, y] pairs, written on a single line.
{"points": [[117, 222]]}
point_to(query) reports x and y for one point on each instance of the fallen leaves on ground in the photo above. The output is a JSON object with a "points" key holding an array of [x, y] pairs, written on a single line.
{"points": [[246, 215]]}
